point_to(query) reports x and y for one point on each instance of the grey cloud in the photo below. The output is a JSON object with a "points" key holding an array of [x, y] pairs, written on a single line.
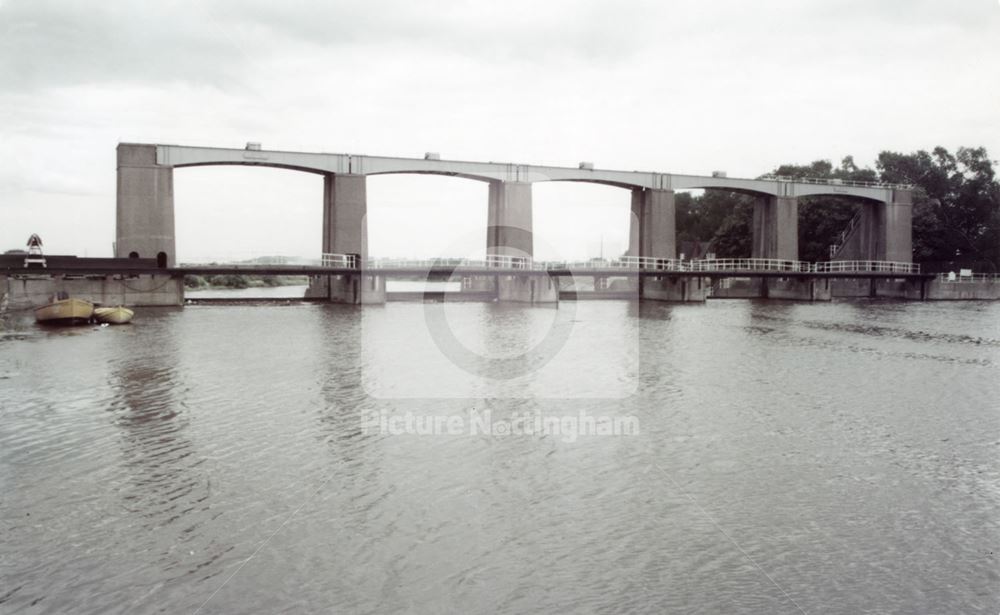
{"points": [[51, 43]]}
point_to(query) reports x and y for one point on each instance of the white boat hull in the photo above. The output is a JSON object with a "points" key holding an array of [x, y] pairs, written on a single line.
{"points": [[114, 315]]}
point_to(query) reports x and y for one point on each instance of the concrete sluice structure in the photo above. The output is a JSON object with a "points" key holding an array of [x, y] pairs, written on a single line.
{"points": [[145, 212], [145, 235]]}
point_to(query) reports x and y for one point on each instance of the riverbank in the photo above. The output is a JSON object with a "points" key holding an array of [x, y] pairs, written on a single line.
{"points": [[240, 281]]}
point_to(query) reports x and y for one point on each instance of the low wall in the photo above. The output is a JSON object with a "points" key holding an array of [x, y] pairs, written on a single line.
{"points": [[886, 288], [143, 291], [942, 291], [900, 289], [674, 289]]}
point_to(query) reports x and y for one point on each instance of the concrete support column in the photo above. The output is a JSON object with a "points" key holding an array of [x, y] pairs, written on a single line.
{"points": [[509, 223], [653, 228], [145, 205], [897, 224], [345, 215], [884, 231], [776, 228], [345, 231]]}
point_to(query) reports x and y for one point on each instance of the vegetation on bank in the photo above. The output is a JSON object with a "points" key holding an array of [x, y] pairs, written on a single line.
{"points": [[197, 282], [956, 209]]}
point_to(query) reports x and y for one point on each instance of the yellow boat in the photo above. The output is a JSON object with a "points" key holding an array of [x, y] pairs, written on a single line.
{"points": [[118, 315], [65, 311]]}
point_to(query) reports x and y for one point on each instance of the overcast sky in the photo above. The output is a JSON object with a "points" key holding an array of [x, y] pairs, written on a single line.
{"points": [[687, 86]]}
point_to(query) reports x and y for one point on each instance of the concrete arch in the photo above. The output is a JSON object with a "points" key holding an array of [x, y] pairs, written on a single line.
{"points": [[228, 163], [873, 196], [599, 182], [438, 173]]}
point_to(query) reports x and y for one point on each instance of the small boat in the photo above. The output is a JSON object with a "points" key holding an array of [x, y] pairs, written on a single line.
{"points": [[65, 311], [118, 315]]}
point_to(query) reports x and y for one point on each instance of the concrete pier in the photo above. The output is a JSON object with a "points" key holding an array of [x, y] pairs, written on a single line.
{"points": [[524, 288], [884, 231], [354, 289], [776, 228], [509, 220], [793, 289], [738, 288], [345, 231], [797, 289], [345, 215], [897, 228], [145, 206], [652, 230], [673, 288]]}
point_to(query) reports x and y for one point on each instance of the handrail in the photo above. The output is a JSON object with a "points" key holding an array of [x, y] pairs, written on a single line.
{"points": [[625, 263], [842, 238], [953, 278], [835, 182], [861, 266]]}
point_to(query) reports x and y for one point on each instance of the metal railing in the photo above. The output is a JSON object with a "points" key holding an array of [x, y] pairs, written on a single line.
{"points": [[492, 261], [958, 278], [625, 263], [345, 261], [750, 264], [862, 266], [842, 238], [835, 182]]}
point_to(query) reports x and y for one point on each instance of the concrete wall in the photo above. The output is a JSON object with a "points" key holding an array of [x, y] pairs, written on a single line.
{"points": [[776, 228], [938, 290], [145, 204], [674, 288], [900, 289], [878, 287], [142, 291], [527, 289]]}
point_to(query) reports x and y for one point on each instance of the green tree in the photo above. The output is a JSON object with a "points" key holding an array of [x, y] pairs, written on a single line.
{"points": [[956, 209]]}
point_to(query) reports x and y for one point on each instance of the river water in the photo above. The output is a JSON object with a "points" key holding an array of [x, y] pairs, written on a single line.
{"points": [[782, 458]]}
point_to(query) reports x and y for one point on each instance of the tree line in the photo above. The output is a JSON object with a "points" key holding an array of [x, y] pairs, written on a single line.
{"points": [[956, 209]]}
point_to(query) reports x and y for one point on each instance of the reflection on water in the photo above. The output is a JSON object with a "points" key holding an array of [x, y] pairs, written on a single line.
{"points": [[842, 457]]}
